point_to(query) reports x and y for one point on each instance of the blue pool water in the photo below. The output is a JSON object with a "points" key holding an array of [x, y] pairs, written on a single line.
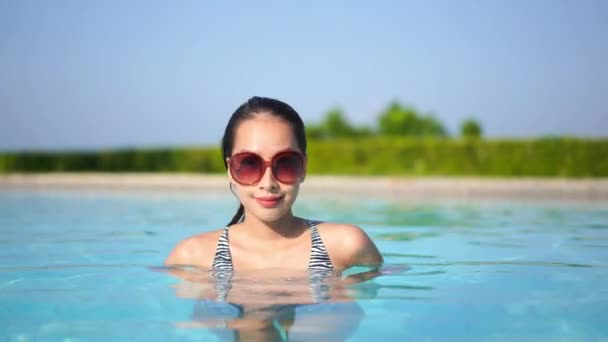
{"points": [[80, 266]]}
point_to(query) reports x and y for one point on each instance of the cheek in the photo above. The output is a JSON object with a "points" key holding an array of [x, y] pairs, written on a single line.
{"points": [[243, 191], [292, 192]]}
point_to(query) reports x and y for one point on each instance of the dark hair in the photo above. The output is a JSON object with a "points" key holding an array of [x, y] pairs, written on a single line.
{"points": [[250, 109]]}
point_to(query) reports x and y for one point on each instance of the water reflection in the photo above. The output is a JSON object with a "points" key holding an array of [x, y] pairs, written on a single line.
{"points": [[404, 236], [276, 305]]}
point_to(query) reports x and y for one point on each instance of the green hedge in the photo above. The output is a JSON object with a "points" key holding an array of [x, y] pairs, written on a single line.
{"points": [[548, 157], [144, 160], [554, 157]]}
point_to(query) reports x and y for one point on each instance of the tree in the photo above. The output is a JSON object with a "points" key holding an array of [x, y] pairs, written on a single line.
{"points": [[313, 131], [336, 124], [398, 120], [430, 126], [470, 128]]}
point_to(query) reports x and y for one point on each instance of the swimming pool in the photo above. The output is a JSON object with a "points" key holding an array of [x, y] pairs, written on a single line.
{"points": [[78, 265]]}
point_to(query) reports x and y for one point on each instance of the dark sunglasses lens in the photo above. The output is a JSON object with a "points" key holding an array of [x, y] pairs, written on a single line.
{"points": [[288, 167], [246, 168]]}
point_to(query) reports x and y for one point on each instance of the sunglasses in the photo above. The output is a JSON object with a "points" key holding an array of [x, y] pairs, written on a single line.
{"points": [[248, 168]]}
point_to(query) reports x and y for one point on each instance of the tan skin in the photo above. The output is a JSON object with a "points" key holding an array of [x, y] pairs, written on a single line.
{"points": [[274, 238], [270, 239]]}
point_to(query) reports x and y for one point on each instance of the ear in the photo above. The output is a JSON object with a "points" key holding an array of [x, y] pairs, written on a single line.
{"points": [[228, 170]]}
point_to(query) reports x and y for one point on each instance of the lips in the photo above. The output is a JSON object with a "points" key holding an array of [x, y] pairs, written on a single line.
{"points": [[269, 202]]}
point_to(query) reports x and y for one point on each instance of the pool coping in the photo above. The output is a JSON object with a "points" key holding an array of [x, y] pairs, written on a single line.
{"points": [[371, 186]]}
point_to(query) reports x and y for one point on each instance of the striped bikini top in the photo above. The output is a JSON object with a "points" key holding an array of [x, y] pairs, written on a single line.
{"points": [[319, 259]]}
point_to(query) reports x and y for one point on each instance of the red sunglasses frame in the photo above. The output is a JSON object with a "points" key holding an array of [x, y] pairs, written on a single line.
{"points": [[267, 164]]}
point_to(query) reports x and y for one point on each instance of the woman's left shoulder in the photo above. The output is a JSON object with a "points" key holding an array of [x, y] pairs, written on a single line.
{"points": [[342, 231], [349, 244]]}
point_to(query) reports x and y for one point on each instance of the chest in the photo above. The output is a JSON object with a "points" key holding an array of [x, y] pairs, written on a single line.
{"points": [[248, 256]]}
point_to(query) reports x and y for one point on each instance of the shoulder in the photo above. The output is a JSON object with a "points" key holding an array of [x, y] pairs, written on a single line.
{"points": [[348, 245], [348, 234], [197, 250]]}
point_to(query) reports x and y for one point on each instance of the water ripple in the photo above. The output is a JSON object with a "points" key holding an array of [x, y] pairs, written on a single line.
{"points": [[492, 263], [400, 255], [58, 267]]}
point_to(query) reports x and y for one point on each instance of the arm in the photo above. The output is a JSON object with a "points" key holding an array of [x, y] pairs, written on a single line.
{"points": [[356, 248], [190, 261], [182, 253], [197, 250]]}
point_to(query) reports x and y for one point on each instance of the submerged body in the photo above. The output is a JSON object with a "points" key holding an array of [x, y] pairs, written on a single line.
{"points": [[274, 305]]}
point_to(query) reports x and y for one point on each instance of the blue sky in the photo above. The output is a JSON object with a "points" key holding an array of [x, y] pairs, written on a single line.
{"points": [[105, 74]]}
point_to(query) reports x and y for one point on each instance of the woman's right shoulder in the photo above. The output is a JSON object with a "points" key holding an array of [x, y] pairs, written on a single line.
{"points": [[197, 250]]}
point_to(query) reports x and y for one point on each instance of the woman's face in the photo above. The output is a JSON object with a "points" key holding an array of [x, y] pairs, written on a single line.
{"points": [[266, 135]]}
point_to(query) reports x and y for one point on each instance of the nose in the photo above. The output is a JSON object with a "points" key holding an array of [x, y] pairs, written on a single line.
{"points": [[268, 182]]}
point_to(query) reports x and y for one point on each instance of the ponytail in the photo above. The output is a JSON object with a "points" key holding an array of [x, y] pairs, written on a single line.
{"points": [[238, 217], [240, 213]]}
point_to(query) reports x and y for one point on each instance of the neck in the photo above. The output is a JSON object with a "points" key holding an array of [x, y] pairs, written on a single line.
{"points": [[286, 227]]}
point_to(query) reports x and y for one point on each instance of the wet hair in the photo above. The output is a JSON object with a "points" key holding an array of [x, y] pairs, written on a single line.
{"points": [[249, 110]]}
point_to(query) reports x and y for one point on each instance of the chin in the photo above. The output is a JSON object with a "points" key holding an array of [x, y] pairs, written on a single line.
{"points": [[270, 215]]}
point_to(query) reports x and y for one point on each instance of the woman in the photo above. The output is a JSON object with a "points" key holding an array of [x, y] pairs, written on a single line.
{"points": [[264, 150]]}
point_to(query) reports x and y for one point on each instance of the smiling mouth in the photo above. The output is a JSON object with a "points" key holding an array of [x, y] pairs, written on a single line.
{"points": [[268, 202]]}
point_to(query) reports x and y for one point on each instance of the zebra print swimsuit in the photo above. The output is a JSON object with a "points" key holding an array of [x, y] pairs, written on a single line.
{"points": [[320, 267], [319, 259]]}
